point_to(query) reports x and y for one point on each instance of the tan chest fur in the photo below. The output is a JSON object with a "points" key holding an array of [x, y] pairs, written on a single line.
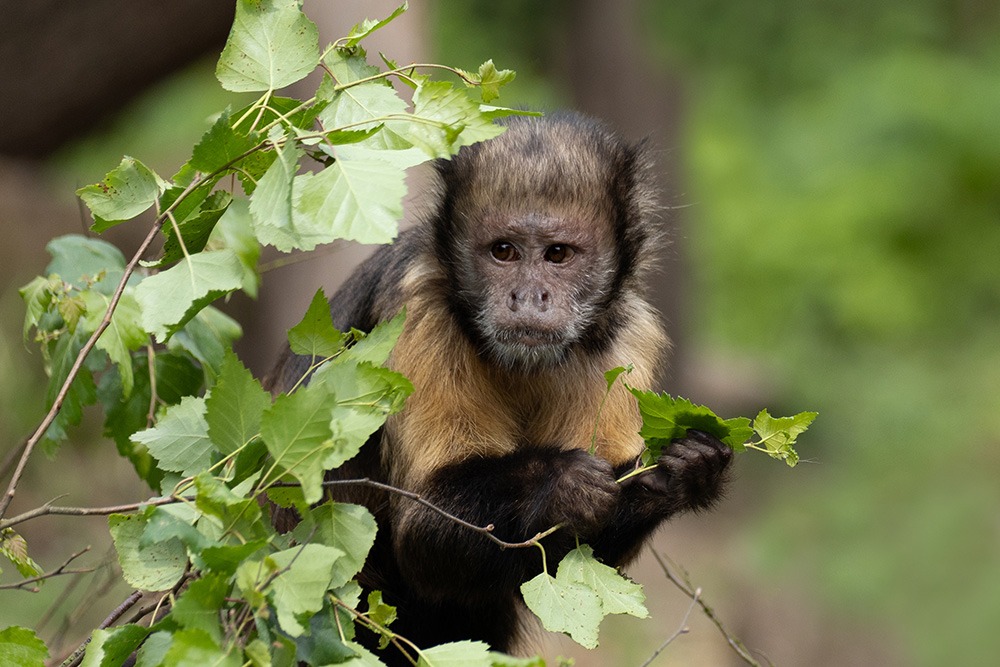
{"points": [[463, 408]]}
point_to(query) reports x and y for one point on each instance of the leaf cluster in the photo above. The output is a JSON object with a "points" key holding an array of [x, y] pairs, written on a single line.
{"points": [[142, 340]]}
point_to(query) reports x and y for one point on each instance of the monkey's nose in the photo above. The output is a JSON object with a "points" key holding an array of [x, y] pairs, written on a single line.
{"points": [[538, 299]]}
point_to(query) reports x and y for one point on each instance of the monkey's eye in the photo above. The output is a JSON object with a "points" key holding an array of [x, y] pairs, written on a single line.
{"points": [[557, 254], [503, 251]]}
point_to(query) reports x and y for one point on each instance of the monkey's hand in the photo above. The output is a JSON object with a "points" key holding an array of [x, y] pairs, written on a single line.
{"points": [[690, 474], [583, 493]]}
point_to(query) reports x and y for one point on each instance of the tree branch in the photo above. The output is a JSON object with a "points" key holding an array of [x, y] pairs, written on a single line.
{"points": [[695, 595], [48, 509], [48, 575], [682, 629]]}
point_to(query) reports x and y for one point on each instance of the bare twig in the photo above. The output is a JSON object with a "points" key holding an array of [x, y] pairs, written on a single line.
{"points": [[486, 531], [76, 657], [48, 509], [62, 569], [682, 629], [685, 586]]}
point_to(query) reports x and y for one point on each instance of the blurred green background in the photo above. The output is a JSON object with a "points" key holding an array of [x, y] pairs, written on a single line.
{"points": [[834, 174]]}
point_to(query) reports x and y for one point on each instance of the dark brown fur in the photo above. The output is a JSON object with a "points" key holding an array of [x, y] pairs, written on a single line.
{"points": [[507, 358]]}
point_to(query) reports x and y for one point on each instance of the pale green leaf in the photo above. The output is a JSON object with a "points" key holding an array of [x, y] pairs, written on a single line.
{"points": [[272, 44], [124, 333], [359, 197], [271, 204], [618, 594], [156, 567], [490, 79], [79, 260], [126, 191], [179, 441], [348, 528], [778, 434], [564, 607], [368, 26], [303, 584], [15, 549], [457, 654], [172, 297], [37, 296], [454, 120]]}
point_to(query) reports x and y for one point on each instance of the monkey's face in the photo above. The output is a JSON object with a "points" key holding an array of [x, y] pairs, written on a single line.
{"points": [[538, 280]]}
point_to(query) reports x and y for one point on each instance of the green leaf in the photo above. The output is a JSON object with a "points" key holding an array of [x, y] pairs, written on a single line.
{"points": [[315, 336], [365, 396], [457, 654], [380, 612], [323, 645], [296, 430], [126, 191], [490, 79], [235, 231], [565, 606], [180, 441], [79, 260], [348, 528], [612, 375], [200, 605], [359, 197], [366, 106], [222, 146], [156, 567], [376, 346], [124, 333], [227, 558], [456, 120], [20, 646], [345, 66], [82, 392], [154, 649], [368, 26], [300, 589], [233, 513], [172, 297], [234, 408], [15, 549], [502, 660], [37, 296], [194, 647], [194, 231], [207, 336], [778, 435], [665, 418], [618, 595], [271, 203], [111, 648], [272, 44]]}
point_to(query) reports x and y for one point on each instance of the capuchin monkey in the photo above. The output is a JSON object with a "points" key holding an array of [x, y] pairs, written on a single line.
{"points": [[521, 288]]}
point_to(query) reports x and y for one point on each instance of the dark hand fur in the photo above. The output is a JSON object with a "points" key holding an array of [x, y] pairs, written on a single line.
{"points": [[498, 428]]}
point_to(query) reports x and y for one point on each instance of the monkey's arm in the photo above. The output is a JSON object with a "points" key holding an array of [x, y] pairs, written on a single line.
{"points": [[690, 475], [520, 494]]}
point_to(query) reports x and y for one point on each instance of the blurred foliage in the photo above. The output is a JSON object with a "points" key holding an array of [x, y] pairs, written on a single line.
{"points": [[845, 164]]}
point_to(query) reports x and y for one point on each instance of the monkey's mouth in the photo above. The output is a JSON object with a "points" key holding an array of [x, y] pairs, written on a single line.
{"points": [[530, 338]]}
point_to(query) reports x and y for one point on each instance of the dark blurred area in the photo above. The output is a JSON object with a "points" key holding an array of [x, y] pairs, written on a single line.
{"points": [[831, 179]]}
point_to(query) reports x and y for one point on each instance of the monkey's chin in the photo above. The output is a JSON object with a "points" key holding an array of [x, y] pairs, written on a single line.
{"points": [[528, 351]]}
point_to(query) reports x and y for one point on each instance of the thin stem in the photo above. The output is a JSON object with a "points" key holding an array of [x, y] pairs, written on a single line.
{"points": [[682, 629], [685, 587]]}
